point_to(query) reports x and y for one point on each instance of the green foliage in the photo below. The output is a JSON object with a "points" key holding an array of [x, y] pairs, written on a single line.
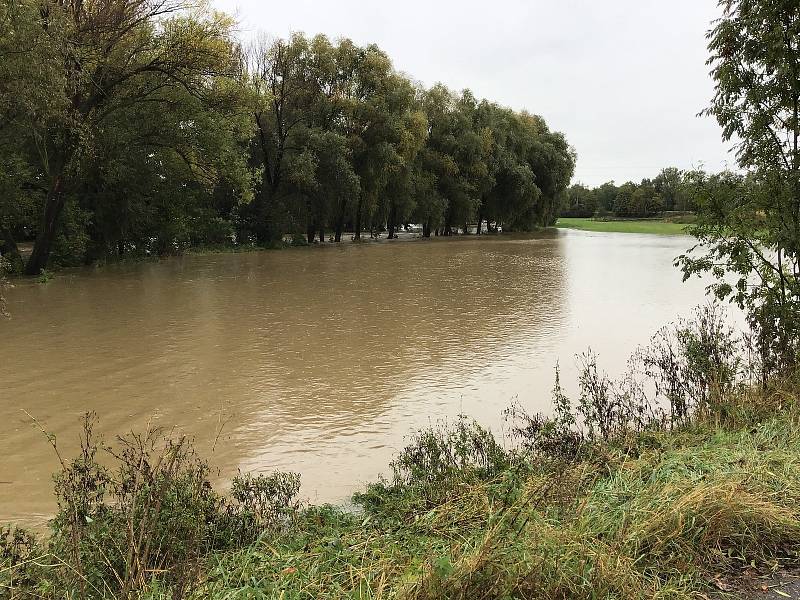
{"points": [[45, 276], [671, 191], [686, 371], [693, 364], [747, 232], [548, 437], [19, 549], [438, 453], [151, 515], [140, 127], [262, 503], [4, 267]]}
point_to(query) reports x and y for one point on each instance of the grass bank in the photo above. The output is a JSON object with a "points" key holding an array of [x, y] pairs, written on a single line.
{"points": [[662, 515], [618, 226]]}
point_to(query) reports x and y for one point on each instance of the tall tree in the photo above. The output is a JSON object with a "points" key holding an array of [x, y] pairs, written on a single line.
{"points": [[749, 228], [282, 91]]}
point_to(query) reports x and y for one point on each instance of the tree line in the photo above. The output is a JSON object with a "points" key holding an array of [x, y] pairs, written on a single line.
{"points": [[143, 126], [671, 190]]}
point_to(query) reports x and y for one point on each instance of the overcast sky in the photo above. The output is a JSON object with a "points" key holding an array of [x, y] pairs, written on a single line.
{"points": [[623, 79]]}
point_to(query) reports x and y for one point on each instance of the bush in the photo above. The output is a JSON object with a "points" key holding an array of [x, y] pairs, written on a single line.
{"points": [[440, 452], [18, 551], [548, 437], [259, 504], [154, 512], [72, 241], [435, 462], [4, 268], [212, 230], [693, 364], [689, 369]]}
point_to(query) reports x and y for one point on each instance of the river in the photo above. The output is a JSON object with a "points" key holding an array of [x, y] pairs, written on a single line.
{"points": [[322, 359]]}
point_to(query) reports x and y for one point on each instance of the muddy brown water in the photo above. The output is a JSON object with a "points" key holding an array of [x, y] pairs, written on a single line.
{"points": [[319, 360]]}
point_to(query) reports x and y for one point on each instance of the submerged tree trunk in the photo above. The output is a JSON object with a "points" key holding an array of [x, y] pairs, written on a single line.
{"points": [[322, 235], [426, 229], [390, 224], [338, 228], [9, 250], [357, 234], [310, 233], [259, 209], [53, 207]]}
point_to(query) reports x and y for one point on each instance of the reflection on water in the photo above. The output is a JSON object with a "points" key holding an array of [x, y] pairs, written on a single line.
{"points": [[322, 359]]}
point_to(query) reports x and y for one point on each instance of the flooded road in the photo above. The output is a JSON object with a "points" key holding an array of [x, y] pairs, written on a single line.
{"points": [[319, 360]]}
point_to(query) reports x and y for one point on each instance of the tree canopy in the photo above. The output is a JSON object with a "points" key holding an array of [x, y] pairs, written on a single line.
{"points": [[672, 190], [749, 223], [144, 126]]}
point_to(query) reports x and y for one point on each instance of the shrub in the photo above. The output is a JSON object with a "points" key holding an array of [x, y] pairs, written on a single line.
{"points": [[259, 504], [548, 437], [693, 364], [206, 228], [18, 551], [153, 514], [433, 465], [441, 452], [4, 268]]}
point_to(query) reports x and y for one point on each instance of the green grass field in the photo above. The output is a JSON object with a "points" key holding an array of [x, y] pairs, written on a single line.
{"points": [[657, 227]]}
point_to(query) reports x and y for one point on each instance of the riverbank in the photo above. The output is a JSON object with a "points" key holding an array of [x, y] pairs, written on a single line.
{"points": [[620, 226], [691, 511], [654, 227], [708, 511], [299, 242]]}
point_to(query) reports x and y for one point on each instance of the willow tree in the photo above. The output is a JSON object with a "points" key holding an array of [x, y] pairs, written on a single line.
{"points": [[29, 98], [440, 158], [111, 56], [282, 93], [377, 123]]}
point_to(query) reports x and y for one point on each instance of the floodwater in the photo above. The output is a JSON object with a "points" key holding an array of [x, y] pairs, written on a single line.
{"points": [[319, 360]]}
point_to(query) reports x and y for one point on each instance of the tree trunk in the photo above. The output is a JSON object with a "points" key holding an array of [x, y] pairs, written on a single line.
{"points": [[426, 229], [310, 233], [390, 225], [258, 209], [9, 250], [322, 235], [338, 227], [357, 234], [53, 207]]}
